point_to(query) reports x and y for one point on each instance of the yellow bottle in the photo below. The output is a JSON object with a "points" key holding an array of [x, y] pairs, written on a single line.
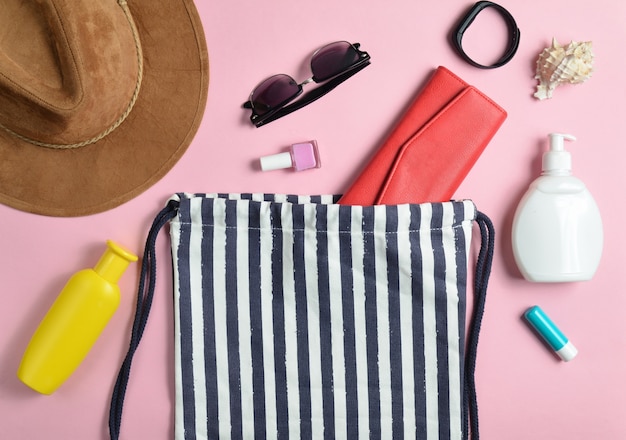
{"points": [[74, 322]]}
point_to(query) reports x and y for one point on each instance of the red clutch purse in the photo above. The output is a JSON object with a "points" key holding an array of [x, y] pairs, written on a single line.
{"points": [[432, 148]]}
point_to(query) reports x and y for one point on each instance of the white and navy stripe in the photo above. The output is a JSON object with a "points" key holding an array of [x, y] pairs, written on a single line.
{"points": [[300, 318]]}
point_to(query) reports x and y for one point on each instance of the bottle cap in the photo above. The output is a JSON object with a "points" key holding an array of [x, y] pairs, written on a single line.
{"points": [[568, 352], [557, 160], [276, 161], [114, 262]]}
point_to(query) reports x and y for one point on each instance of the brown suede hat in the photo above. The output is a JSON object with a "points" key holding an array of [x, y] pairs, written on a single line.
{"points": [[98, 99]]}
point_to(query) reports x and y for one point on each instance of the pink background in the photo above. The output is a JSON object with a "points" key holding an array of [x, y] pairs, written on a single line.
{"points": [[524, 390]]}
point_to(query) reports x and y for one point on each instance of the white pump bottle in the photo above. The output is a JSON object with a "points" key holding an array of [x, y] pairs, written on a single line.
{"points": [[557, 229]]}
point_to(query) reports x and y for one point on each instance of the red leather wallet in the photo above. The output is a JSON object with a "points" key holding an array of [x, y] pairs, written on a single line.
{"points": [[432, 148]]}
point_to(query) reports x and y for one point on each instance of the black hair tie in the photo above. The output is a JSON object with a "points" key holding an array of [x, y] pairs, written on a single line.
{"points": [[464, 24]]}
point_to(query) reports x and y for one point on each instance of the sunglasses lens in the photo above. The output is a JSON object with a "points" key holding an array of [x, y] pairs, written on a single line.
{"points": [[273, 92], [333, 59]]}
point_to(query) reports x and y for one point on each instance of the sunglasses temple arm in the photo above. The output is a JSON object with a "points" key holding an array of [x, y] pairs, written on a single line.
{"points": [[313, 95]]}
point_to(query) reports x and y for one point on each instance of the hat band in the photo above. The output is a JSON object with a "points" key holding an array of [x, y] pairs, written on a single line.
{"points": [[123, 4]]}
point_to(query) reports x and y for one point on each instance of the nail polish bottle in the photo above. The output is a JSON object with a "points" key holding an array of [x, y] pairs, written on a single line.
{"points": [[301, 156]]}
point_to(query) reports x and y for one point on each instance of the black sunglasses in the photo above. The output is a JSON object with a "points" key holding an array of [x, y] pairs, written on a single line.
{"points": [[333, 64]]}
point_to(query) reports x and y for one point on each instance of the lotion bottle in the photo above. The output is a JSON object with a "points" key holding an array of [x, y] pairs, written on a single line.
{"points": [[557, 231], [74, 322]]}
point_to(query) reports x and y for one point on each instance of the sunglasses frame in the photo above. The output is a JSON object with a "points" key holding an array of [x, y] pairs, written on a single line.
{"points": [[312, 95]]}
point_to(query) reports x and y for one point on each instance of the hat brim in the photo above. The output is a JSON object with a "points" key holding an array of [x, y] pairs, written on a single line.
{"points": [[162, 124]]}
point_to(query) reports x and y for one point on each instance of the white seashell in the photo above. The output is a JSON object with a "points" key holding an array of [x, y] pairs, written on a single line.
{"points": [[570, 64]]}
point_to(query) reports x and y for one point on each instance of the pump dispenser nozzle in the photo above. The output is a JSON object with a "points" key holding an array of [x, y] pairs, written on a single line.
{"points": [[557, 161]]}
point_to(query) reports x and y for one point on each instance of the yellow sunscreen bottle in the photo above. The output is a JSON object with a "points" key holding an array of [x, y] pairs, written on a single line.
{"points": [[74, 322]]}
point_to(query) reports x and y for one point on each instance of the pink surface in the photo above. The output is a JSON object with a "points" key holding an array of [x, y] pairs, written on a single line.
{"points": [[524, 390]]}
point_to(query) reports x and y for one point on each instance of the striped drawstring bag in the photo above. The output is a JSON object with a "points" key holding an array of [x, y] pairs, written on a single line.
{"points": [[299, 318]]}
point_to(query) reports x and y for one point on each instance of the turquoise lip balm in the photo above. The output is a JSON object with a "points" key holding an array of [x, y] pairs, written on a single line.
{"points": [[551, 333]]}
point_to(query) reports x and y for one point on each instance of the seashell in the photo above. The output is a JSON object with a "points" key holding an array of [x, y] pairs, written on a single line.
{"points": [[556, 65]]}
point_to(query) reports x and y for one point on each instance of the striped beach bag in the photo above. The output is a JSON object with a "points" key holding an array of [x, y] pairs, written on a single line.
{"points": [[299, 318]]}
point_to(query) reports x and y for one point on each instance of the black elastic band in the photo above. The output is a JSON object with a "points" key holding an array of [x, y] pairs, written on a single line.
{"points": [[466, 21]]}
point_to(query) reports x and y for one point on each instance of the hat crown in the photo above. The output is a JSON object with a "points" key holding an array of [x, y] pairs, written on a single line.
{"points": [[69, 69]]}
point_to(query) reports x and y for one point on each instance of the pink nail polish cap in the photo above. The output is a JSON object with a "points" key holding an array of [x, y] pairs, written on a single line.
{"points": [[301, 156]]}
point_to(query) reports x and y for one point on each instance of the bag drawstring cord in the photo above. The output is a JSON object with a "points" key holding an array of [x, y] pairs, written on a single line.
{"points": [[481, 279], [144, 302], [145, 297]]}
